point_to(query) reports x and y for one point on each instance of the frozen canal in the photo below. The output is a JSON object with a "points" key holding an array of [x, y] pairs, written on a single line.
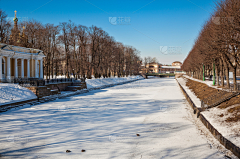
{"points": [[105, 123]]}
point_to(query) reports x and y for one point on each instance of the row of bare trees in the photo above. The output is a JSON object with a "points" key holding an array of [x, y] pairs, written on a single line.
{"points": [[5, 27], [216, 50], [72, 49], [147, 60]]}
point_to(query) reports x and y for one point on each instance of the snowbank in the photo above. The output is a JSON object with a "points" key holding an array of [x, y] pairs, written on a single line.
{"points": [[229, 130], [190, 93], [209, 83], [14, 93], [11, 93], [103, 82]]}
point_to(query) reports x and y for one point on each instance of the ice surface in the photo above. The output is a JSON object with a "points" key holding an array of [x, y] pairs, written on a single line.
{"points": [[105, 123]]}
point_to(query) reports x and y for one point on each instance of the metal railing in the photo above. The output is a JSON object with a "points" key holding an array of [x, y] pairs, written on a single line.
{"points": [[27, 82], [217, 99], [58, 80]]}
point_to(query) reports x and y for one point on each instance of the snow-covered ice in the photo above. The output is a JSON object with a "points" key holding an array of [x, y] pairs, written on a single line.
{"points": [[99, 82], [105, 123], [13, 93]]}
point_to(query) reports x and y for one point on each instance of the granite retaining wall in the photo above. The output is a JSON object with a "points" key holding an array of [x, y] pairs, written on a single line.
{"points": [[225, 142]]}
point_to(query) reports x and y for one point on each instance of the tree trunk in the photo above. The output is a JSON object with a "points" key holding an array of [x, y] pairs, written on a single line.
{"points": [[227, 77], [234, 79], [221, 73], [217, 75]]}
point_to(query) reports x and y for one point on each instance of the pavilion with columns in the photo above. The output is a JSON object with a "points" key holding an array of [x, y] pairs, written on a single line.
{"points": [[20, 62]]}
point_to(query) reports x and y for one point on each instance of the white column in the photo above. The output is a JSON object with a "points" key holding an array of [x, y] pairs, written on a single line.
{"points": [[36, 69], [22, 68], [16, 68], [41, 68], [28, 68], [0, 67], [8, 68]]}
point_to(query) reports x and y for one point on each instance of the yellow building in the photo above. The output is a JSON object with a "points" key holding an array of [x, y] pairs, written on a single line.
{"points": [[20, 62], [152, 67], [159, 68], [177, 63]]}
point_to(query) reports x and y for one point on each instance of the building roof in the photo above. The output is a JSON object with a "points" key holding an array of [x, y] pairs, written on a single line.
{"points": [[177, 67], [21, 50], [177, 62], [153, 63]]}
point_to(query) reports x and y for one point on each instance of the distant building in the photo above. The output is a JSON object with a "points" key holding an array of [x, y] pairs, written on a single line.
{"points": [[176, 67], [17, 38], [177, 63], [19, 62], [152, 68], [159, 68]]}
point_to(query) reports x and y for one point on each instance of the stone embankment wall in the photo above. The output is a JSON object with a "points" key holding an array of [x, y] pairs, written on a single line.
{"points": [[46, 98], [52, 89], [225, 142]]}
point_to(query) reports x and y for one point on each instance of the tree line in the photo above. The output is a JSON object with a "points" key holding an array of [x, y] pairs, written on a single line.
{"points": [[73, 49], [216, 50]]}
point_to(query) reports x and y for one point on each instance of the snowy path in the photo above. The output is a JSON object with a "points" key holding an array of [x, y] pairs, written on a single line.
{"points": [[105, 123]]}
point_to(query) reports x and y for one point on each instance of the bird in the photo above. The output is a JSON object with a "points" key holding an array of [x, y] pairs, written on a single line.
{"points": [[68, 151], [83, 150], [137, 134]]}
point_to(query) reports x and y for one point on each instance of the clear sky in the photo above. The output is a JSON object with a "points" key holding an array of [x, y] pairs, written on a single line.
{"points": [[143, 24]]}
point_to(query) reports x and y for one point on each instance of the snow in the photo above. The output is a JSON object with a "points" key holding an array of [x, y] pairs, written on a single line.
{"points": [[103, 82], [11, 93], [209, 83], [229, 130], [190, 93], [105, 122]]}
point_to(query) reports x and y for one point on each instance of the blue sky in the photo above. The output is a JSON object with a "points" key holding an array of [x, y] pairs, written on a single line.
{"points": [[153, 23]]}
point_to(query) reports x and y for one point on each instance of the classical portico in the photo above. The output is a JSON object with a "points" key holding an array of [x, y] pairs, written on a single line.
{"points": [[20, 62]]}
